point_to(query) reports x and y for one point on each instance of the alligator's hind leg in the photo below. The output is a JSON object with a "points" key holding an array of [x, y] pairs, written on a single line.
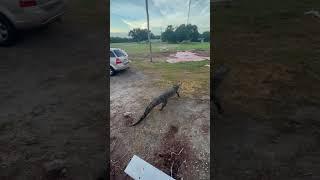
{"points": [[163, 105]]}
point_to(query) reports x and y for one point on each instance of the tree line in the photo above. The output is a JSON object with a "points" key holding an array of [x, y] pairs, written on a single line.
{"points": [[171, 35]]}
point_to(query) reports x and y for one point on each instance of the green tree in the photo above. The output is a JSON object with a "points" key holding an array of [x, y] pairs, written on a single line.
{"points": [[169, 35], [156, 37], [206, 36], [192, 32], [181, 33], [119, 40], [138, 34]]}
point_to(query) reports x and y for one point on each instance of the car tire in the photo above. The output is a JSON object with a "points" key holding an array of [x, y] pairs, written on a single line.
{"points": [[8, 33], [112, 71]]}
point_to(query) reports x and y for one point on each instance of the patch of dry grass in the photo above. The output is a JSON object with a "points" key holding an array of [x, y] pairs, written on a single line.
{"points": [[194, 76]]}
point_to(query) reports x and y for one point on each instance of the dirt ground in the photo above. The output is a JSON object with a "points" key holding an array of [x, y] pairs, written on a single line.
{"points": [[52, 107], [176, 137]]}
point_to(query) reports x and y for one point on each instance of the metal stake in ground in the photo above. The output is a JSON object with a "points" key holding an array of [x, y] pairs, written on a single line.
{"points": [[148, 30]]}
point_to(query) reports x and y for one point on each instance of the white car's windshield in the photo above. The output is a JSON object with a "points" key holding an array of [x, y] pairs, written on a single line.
{"points": [[118, 53]]}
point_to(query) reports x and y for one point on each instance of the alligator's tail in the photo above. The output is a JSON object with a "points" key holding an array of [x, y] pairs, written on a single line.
{"points": [[146, 112]]}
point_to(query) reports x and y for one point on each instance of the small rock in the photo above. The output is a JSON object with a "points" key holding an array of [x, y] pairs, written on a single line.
{"points": [[127, 114]]}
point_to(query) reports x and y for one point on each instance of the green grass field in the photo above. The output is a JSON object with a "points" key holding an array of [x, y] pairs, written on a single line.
{"points": [[195, 76], [143, 48]]}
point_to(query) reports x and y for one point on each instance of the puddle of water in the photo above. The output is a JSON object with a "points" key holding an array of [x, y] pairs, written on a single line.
{"points": [[185, 56]]}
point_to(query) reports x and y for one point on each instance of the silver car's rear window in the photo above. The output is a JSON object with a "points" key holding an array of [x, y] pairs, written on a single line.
{"points": [[111, 54], [118, 53]]}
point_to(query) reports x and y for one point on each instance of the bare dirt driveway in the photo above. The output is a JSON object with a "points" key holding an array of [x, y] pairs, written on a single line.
{"points": [[176, 138], [52, 102]]}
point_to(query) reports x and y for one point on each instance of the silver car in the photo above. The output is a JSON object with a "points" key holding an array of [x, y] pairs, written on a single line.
{"points": [[118, 60], [25, 14]]}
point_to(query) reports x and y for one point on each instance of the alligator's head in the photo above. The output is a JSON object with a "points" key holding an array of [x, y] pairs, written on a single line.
{"points": [[176, 86]]}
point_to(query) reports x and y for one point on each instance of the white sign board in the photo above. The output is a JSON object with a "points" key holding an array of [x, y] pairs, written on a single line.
{"points": [[139, 169]]}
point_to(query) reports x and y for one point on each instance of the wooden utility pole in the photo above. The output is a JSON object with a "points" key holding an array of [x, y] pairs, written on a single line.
{"points": [[161, 34], [148, 30], [188, 12]]}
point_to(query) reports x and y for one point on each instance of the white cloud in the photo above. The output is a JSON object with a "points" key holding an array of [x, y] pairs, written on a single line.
{"points": [[119, 34], [129, 9], [172, 12], [135, 24], [117, 30], [202, 20]]}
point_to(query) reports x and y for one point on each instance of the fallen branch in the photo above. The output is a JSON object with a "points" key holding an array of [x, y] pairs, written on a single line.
{"points": [[114, 168], [115, 162], [173, 160], [171, 168], [180, 151], [113, 146], [176, 153], [181, 164], [148, 158]]}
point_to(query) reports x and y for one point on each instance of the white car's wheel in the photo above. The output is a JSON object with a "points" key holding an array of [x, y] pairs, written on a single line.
{"points": [[112, 72], [7, 32]]}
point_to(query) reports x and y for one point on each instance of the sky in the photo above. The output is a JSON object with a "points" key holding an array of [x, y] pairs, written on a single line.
{"points": [[128, 14]]}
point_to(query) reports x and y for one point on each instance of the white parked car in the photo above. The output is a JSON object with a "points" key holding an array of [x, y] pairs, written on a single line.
{"points": [[25, 14], [118, 60]]}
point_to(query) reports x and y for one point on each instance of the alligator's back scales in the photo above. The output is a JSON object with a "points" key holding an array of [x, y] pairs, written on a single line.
{"points": [[162, 99]]}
